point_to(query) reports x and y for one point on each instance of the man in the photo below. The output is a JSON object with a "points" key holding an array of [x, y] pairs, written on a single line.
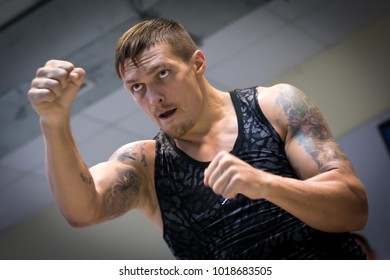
{"points": [[247, 174], [363, 242]]}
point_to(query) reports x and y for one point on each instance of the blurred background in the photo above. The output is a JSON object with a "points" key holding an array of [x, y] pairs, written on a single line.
{"points": [[337, 51]]}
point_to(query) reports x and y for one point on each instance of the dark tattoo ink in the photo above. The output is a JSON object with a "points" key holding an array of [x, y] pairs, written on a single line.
{"points": [[125, 156], [309, 128], [121, 196], [131, 154], [303, 116], [143, 156], [86, 178]]}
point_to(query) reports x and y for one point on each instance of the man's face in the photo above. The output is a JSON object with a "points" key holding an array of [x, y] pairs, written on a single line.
{"points": [[166, 88]]}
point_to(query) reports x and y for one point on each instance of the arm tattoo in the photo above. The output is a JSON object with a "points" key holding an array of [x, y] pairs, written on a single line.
{"points": [[308, 126], [85, 176], [122, 195], [132, 154], [125, 156]]}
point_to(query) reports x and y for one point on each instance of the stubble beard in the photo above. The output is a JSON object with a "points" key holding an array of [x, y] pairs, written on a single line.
{"points": [[181, 130]]}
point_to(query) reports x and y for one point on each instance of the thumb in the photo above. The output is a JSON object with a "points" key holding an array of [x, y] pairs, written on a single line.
{"points": [[77, 76]]}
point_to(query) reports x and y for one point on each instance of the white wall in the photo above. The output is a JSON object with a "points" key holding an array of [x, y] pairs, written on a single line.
{"points": [[371, 158], [349, 81]]}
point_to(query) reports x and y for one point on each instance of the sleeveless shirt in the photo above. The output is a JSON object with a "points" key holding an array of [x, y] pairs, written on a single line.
{"points": [[196, 225]]}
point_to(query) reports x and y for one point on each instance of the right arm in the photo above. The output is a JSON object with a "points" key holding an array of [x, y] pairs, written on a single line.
{"points": [[84, 196]]}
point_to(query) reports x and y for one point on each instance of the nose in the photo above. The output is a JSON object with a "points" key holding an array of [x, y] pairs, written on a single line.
{"points": [[155, 97]]}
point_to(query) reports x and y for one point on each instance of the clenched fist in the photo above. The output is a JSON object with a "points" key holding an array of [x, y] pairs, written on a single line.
{"points": [[228, 176], [53, 90]]}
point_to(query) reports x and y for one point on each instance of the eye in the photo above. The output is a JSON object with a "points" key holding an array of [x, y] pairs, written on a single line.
{"points": [[163, 73], [137, 87]]}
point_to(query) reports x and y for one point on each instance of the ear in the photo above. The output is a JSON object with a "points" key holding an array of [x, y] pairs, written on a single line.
{"points": [[199, 62]]}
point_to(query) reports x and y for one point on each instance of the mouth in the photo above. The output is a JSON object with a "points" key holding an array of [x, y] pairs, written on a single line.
{"points": [[167, 114]]}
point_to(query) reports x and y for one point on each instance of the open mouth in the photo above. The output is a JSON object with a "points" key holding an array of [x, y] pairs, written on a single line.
{"points": [[167, 114]]}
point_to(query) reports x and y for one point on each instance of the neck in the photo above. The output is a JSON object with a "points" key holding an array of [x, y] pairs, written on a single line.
{"points": [[213, 128], [212, 111]]}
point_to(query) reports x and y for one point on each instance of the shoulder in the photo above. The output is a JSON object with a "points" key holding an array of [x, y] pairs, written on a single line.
{"points": [[270, 95], [139, 153], [275, 101], [138, 156]]}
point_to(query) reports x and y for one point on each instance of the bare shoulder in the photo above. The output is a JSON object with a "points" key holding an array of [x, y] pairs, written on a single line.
{"points": [[270, 97], [272, 101], [139, 153], [293, 112]]}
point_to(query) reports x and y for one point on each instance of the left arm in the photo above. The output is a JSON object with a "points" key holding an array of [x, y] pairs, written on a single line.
{"points": [[330, 196], [327, 196]]}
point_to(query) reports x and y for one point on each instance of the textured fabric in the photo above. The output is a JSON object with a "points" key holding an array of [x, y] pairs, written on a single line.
{"points": [[196, 225]]}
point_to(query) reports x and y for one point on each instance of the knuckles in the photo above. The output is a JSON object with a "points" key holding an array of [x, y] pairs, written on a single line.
{"points": [[40, 95], [225, 159], [60, 64], [56, 69]]}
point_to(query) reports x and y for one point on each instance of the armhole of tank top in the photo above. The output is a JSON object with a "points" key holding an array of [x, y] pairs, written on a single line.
{"points": [[240, 124], [156, 161], [260, 114]]}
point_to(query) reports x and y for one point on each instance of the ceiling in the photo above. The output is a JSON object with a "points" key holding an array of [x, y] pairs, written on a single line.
{"points": [[258, 39]]}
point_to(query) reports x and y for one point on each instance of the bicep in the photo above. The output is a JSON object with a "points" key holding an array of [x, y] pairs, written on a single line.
{"points": [[122, 182], [309, 144], [118, 188], [310, 156]]}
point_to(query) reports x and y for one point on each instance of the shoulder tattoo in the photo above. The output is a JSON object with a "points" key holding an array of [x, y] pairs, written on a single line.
{"points": [[308, 126], [135, 153]]}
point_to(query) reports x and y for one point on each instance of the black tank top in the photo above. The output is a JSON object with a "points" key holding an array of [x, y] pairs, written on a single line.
{"points": [[196, 225]]}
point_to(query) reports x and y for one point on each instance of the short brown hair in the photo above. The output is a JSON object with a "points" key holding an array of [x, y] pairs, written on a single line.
{"points": [[147, 34]]}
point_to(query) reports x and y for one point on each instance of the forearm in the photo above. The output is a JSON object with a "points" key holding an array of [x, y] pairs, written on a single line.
{"points": [[330, 201], [68, 176]]}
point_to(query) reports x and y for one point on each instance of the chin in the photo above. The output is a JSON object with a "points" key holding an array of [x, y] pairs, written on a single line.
{"points": [[179, 131]]}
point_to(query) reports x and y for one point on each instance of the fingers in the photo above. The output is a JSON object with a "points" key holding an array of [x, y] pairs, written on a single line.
{"points": [[37, 95], [210, 170], [219, 174], [56, 70], [54, 63], [49, 83], [54, 79], [77, 76]]}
